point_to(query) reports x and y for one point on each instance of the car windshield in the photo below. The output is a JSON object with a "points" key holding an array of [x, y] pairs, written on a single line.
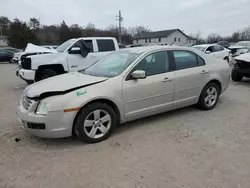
{"points": [[112, 65], [201, 48], [65, 45]]}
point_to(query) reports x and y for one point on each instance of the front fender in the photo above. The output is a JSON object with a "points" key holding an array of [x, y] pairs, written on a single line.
{"points": [[49, 59]]}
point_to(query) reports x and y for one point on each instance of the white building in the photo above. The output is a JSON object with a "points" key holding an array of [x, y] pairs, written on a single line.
{"points": [[165, 37]]}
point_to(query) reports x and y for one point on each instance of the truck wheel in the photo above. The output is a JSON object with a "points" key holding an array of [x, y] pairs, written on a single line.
{"points": [[45, 73], [29, 82], [236, 77]]}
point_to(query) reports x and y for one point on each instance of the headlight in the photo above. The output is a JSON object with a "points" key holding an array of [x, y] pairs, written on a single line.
{"points": [[42, 108]]}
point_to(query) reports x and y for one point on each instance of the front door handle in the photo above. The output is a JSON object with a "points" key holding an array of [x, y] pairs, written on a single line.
{"points": [[204, 72], [167, 79]]}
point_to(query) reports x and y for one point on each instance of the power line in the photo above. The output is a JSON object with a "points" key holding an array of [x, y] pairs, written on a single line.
{"points": [[120, 19]]}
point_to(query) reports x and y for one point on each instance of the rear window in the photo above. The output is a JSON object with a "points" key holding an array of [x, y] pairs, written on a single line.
{"points": [[105, 45]]}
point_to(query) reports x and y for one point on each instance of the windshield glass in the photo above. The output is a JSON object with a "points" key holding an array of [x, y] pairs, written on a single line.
{"points": [[65, 45], [201, 48], [112, 65]]}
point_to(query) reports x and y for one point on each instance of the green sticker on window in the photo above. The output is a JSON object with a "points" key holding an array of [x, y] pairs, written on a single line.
{"points": [[79, 93]]}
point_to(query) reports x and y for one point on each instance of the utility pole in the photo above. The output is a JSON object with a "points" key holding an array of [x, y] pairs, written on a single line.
{"points": [[120, 19]]}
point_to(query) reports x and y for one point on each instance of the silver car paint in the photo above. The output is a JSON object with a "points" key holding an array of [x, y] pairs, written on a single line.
{"points": [[134, 98]]}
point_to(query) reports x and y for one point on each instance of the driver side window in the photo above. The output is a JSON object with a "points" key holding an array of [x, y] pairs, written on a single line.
{"points": [[155, 63], [209, 49]]}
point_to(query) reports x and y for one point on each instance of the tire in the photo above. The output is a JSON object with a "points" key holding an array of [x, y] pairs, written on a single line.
{"points": [[209, 96], [45, 73], [236, 77], [29, 82], [93, 130]]}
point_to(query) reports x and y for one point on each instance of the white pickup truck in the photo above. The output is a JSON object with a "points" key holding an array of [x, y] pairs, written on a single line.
{"points": [[72, 55]]}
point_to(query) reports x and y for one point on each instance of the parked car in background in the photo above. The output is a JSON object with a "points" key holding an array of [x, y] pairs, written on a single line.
{"points": [[239, 48], [242, 67], [72, 55], [215, 51], [225, 44], [125, 85], [6, 55], [15, 50]]}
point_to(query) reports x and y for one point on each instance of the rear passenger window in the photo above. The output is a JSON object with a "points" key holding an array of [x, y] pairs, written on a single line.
{"points": [[185, 59], [89, 44], [105, 45]]}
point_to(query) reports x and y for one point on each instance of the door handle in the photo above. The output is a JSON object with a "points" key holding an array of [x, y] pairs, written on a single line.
{"points": [[167, 79], [204, 72], [75, 66]]}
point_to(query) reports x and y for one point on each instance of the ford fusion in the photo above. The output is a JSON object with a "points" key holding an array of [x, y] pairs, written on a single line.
{"points": [[125, 85]]}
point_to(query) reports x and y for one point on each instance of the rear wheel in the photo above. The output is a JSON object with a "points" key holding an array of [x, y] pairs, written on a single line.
{"points": [[236, 77], [209, 96], [45, 73], [95, 122]]}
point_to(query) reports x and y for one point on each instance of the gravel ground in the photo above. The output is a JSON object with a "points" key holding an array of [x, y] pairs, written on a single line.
{"points": [[184, 148]]}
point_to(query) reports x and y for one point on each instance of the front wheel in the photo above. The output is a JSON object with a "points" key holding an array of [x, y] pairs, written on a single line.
{"points": [[236, 77], [209, 96], [95, 122], [45, 73]]}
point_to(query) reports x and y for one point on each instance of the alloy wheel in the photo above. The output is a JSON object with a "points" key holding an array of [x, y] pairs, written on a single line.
{"points": [[211, 96], [97, 124]]}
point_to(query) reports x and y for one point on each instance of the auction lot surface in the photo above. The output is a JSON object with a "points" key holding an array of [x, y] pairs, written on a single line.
{"points": [[185, 148]]}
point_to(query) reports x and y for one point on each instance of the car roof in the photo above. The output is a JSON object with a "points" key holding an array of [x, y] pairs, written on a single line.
{"points": [[244, 42], [205, 45], [89, 38], [145, 49]]}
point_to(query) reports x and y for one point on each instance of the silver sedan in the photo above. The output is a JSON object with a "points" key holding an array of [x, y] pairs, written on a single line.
{"points": [[125, 85]]}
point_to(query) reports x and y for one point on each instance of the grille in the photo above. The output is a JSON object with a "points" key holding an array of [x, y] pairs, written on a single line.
{"points": [[25, 63], [26, 102]]}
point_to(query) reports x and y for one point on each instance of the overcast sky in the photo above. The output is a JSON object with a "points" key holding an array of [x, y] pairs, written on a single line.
{"points": [[206, 16]]}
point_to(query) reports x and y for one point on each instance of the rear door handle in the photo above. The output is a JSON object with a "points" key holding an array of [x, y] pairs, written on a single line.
{"points": [[167, 79], [204, 72]]}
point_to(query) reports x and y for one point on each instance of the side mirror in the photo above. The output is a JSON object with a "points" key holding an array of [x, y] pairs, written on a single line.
{"points": [[138, 74], [75, 50], [208, 52]]}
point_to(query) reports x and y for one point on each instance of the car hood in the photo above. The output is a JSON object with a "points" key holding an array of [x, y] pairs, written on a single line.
{"points": [[60, 85], [31, 48], [244, 57]]}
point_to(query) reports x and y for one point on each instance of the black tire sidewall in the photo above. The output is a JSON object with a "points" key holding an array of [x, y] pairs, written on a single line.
{"points": [[236, 77], [202, 103], [79, 128]]}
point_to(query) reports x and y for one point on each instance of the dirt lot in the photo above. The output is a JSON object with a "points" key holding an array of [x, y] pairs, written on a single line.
{"points": [[185, 148]]}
